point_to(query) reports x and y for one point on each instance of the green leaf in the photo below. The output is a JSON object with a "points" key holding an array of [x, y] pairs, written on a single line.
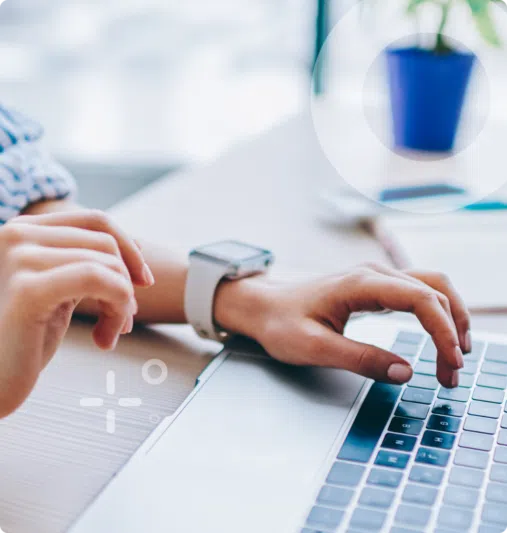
{"points": [[414, 4], [484, 22], [478, 6], [487, 28]]}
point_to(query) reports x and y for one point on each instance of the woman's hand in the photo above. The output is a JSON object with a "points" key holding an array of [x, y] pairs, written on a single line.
{"points": [[303, 324], [48, 265]]}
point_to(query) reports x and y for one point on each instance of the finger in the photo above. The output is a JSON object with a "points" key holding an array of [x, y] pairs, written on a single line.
{"points": [[98, 221], [331, 349], [371, 293], [38, 258], [107, 331], [48, 289], [459, 310], [442, 297], [446, 374]]}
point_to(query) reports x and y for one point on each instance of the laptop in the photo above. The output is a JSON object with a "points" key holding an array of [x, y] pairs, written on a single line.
{"points": [[263, 447]]}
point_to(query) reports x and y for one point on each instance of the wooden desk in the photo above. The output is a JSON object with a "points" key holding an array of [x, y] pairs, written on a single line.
{"points": [[56, 454]]}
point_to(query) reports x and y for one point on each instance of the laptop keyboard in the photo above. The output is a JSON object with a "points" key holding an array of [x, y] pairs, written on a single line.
{"points": [[421, 457]]}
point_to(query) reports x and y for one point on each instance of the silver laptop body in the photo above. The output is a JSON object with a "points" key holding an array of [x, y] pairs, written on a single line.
{"points": [[262, 447]]}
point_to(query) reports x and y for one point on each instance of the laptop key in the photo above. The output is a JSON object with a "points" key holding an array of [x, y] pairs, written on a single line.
{"points": [[407, 426], [466, 381], [381, 498], [476, 441], [334, 496], [489, 410], [413, 516], [398, 529], [424, 382], [456, 395], [370, 422], [496, 493], [470, 367], [444, 423], [429, 352], [405, 350], [498, 473], [448, 408], [412, 410], [432, 457], [426, 368], [490, 529], [455, 518], [428, 476], [496, 352], [345, 474], [466, 477], [409, 337], [392, 459], [477, 349], [420, 495], [492, 381], [402, 443], [384, 478], [322, 517], [471, 458], [424, 396], [480, 424], [495, 514], [436, 439], [503, 423], [502, 437], [500, 455], [461, 497], [489, 367], [367, 519], [488, 395]]}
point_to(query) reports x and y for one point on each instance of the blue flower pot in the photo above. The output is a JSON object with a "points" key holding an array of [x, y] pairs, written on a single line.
{"points": [[427, 94]]}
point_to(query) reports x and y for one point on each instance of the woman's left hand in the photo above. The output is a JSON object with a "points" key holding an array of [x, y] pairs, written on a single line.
{"points": [[303, 324]]}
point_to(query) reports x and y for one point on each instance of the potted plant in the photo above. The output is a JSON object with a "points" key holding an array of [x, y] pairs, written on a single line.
{"points": [[428, 85]]}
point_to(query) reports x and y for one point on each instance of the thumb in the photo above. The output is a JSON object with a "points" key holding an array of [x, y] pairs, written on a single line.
{"points": [[21, 360], [364, 359]]}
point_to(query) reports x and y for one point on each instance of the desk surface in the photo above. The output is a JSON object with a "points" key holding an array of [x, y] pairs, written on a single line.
{"points": [[57, 454]]}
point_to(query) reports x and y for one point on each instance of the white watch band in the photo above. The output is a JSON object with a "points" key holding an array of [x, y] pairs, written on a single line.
{"points": [[202, 282]]}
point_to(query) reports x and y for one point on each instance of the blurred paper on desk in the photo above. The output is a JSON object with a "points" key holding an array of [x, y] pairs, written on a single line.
{"points": [[471, 248]]}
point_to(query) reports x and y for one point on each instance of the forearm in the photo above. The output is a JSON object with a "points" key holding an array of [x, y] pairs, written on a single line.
{"points": [[238, 305]]}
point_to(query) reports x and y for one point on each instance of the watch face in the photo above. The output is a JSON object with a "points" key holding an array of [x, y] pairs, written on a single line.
{"points": [[232, 251]]}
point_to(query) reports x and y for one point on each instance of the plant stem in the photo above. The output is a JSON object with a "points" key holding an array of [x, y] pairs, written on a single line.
{"points": [[441, 47]]}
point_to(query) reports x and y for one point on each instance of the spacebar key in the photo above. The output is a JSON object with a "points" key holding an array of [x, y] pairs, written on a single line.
{"points": [[370, 422]]}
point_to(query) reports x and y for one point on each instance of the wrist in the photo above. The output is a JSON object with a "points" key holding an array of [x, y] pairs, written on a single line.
{"points": [[242, 306]]}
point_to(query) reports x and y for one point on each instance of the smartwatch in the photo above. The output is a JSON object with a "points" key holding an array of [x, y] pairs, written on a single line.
{"points": [[209, 265]]}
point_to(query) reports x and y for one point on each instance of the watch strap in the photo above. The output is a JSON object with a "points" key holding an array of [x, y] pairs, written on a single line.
{"points": [[202, 282]]}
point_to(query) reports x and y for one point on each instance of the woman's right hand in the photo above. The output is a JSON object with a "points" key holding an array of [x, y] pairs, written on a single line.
{"points": [[48, 265]]}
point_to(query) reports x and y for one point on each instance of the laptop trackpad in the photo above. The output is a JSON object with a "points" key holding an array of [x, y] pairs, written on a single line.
{"points": [[242, 456]]}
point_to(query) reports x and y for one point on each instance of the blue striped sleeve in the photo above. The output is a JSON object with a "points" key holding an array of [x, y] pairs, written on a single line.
{"points": [[28, 174]]}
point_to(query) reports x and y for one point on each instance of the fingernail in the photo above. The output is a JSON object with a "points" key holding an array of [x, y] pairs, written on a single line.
{"points": [[125, 328], [460, 362], [148, 275], [131, 324], [455, 379], [115, 342], [399, 373], [133, 306], [468, 342], [139, 247]]}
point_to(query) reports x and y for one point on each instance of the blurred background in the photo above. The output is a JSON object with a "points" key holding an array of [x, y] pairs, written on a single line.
{"points": [[128, 89], [131, 89]]}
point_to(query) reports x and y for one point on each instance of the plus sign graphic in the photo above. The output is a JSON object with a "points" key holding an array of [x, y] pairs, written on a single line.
{"points": [[111, 391]]}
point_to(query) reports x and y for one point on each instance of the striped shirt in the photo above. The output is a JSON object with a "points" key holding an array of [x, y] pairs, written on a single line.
{"points": [[28, 173]]}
